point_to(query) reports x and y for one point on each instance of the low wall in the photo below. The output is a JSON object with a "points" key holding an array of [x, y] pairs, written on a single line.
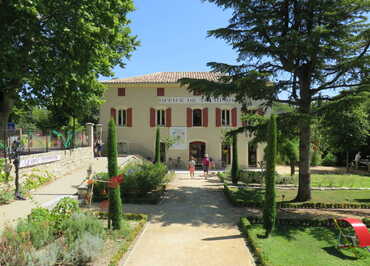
{"points": [[58, 162]]}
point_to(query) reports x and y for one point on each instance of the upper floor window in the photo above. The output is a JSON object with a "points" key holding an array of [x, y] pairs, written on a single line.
{"points": [[122, 118], [160, 91], [197, 117], [121, 91], [225, 118], [161, 118]]}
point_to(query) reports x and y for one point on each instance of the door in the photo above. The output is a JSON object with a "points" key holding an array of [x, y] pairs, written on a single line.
{"points": [[252, 155], [197, 149]]}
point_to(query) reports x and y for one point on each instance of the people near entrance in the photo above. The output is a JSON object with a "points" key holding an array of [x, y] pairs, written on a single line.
{"points": [[205, 164], [212, 163], [98, 146], [357, 159], [191, 167]]}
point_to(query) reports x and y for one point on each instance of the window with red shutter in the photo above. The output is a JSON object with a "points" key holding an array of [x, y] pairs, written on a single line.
{"points": [[205, 117], [121, 91], [218, 117], [160, 91], [113, 114], [129, 117], [189, 117], [152, 117], [233, 117], [197, 117], [168, 117]]}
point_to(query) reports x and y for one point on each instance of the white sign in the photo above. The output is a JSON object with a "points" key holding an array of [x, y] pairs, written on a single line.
{"points": [[38, 160], [179, 134], [190, 100]]}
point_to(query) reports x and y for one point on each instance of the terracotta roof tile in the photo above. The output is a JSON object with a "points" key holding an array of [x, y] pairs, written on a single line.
{"points": [[165, 77]]}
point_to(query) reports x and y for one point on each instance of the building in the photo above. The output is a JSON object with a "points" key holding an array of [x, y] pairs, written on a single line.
{"points": [[141, 104]]}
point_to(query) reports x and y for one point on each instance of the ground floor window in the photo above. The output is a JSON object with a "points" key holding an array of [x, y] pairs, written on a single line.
{"points": [[225, 118], [122, 118], [252, 154], [161, 118], [197, 117]]}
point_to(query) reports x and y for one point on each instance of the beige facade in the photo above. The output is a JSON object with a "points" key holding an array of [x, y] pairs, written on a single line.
{"points": [[137, 116]]}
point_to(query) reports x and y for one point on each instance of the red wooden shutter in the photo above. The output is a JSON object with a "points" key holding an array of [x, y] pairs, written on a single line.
{"points": [[160, 91], [168, 117], [152, 117], [205, 117], [113, 114], [189, 117], [233, 118], [129, 117], [121, 91], [218, 117]]}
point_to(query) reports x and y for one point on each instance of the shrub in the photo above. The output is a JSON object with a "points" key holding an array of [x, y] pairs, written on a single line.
{"points": [[252, 177], [100, 188], [83, 250], [47, 256], [144, 178], [80, 223], [40, 215], [329, 160], [316, 158], [62, 211], [282, 179], [6, 195], [39, 233]]}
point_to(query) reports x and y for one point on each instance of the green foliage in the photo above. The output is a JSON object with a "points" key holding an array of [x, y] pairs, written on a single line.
{"points": [[35, 180], [115, 203], [38, 233], [141, 179], [316, 158], [157, 155], [234, 162], [79, 224], [4, 176], [6, 195], [329, 159], [269, 211], [62, 211]]}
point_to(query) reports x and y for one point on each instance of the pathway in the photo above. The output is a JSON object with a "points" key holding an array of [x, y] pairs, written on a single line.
{"points": [[194, 225], [49, 194]]}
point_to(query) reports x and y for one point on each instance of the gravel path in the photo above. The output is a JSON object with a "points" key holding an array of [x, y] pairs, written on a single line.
{"points": [[194, 225]]}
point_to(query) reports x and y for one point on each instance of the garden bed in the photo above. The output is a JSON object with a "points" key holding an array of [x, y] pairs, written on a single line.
{"points": [[333, 199], [292, 244]]}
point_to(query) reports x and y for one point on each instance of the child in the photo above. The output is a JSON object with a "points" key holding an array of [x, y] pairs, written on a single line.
{"points": [[205, 163], [191, 166]]}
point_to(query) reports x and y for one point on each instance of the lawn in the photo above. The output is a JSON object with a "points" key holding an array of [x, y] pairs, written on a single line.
{"points": [[308, 246], [340, 180], [252, 195]]}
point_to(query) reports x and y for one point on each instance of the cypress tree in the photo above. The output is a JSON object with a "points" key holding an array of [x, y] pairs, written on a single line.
{"points": [[115, 203], [157, 156], [269, 211], [234, 162]]}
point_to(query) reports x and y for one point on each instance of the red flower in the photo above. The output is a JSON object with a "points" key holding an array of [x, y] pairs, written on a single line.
{"points": [[115, 181]]}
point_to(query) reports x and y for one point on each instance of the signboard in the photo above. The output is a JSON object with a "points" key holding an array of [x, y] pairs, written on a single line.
{"points": [[196, 100], [38, 160], [178, 134]]}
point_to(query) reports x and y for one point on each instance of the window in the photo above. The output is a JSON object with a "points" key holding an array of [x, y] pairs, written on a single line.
{"points": [[161, 118], [121, 91], [197, 117], [160, 91], [122, 118], [225, 118], [197, 93]]}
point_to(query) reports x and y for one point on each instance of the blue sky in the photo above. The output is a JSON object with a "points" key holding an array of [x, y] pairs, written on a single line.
{"points": [[173, 36]]}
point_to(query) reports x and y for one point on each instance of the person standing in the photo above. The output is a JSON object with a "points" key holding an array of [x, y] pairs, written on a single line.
{"points": [[191, 167], [98, 146], [205, 164], [357, 159]]}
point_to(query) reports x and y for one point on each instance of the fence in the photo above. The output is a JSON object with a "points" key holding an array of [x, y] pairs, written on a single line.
{"points": [[35, 141]]}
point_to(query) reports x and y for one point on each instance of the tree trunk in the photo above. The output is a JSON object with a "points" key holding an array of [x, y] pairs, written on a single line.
{"points": [[347, 161], [292, 168], [6, 104]]}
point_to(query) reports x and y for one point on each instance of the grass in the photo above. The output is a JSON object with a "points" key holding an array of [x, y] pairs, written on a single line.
{"points": [[340, 180], [308, 246], [251, 195]]}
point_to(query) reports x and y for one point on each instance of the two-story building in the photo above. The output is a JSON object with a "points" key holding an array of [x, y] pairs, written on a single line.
{"points": [[141, 104]]}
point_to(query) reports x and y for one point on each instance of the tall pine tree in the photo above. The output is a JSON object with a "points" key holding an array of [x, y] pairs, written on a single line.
{"points": [[234, 162], [115, 203], [269, 211], [305, 49]]}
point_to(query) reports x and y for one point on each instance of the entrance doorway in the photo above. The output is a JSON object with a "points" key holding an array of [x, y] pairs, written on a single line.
{"points": [[225, 154], [252, 155], [197, 149]]}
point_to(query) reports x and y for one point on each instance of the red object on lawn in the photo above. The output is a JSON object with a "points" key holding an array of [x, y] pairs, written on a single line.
{"points": [[361, 231], [115, 181]]}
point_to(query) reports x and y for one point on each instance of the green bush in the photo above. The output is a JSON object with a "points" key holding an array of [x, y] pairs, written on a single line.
{"points": [[252, 177], [141, 179], [38, 233], [62, 211], [80, 223], [316, 158], [6, 195], [283, 179], [100, 188], [329, 160]]}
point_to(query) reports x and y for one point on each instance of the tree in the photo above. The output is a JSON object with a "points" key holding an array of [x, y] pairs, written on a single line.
{"points": [[269, 211], [115, 203], [234, 162], [305, 49], [52, 52], [157, 155], [289, 149], [346, 124]]}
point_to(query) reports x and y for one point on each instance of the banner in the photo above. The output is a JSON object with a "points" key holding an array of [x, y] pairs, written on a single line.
{"points": [[178, 134], [199, 100], [38, 160]]}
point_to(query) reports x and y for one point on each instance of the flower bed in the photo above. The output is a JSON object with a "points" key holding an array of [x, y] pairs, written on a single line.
{"points": [[66, 235], [242, 197], [296, 244]]}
